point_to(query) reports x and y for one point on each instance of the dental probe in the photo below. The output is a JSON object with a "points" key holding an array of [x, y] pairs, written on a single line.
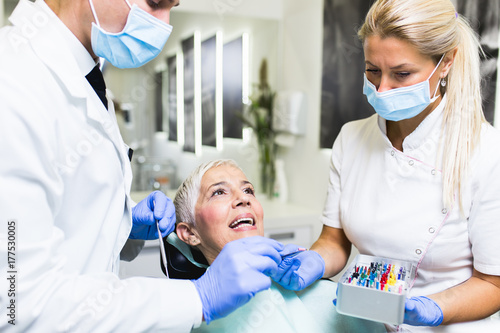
{"points": [[162, 249]]}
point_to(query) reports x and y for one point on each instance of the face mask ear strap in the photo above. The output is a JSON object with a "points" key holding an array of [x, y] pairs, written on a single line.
{"points": [[94, 13], [128, 3], [435, 91], [435, 68]]}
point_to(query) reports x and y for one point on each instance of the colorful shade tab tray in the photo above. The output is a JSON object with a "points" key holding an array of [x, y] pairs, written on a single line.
{"points": [[375, 288]]}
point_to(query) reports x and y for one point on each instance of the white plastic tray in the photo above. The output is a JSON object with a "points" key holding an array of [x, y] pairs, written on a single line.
{"points": [[370, 301]]}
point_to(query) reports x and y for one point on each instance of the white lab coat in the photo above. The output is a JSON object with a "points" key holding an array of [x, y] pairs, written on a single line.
{"points": [[65, 180]]}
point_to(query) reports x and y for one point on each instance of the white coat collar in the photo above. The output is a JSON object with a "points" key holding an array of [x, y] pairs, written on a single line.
{"points": [[70, 62], [39, 25], [429, 128], [48, 37]]}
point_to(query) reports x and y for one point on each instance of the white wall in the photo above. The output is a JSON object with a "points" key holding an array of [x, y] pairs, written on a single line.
{"points": [[223, 8], [306, 165]]}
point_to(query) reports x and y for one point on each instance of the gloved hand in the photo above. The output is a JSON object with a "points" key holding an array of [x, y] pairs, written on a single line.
{"points": [[157, 206], [240, 271], [422, 311], [298, 271]]}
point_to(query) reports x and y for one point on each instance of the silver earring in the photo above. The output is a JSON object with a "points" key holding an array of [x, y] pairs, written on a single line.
{"points": [[443, 82]]}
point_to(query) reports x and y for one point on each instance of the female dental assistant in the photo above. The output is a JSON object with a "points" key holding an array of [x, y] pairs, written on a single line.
{"points": [[419, 180], [65, 180]]}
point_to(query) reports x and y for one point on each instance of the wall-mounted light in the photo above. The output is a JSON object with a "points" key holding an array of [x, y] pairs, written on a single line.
{"points": [[197, 94], [247, 132], [180, 99], [245, 42], [219, 126]]}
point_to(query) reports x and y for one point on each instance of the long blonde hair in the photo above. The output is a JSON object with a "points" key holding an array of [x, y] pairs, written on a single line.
{"points": [[435, 28]]}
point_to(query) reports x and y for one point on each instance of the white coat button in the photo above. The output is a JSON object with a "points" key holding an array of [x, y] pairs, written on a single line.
{"points": [[392, 153], [444, 211], [432, 230], [411, 162], [418, 251], [433, 172]]}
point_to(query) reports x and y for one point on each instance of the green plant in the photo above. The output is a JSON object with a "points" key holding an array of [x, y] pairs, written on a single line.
{"points": [[258, 115]]}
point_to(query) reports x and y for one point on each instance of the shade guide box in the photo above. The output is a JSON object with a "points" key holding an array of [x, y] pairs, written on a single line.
{"points": [[375, 288]]}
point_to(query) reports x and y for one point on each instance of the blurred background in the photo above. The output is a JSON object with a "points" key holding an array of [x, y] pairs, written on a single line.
{"points": [[267, 83]]}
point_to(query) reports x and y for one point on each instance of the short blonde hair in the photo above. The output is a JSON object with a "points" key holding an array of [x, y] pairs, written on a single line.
{"points": [[435, 28], [189, 191]]}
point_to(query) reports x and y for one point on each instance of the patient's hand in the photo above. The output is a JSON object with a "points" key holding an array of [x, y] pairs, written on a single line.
{"points": [[299, 271]]}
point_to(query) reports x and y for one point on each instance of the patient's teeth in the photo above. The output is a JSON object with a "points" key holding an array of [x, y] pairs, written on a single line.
{"points": [[245, 220]]}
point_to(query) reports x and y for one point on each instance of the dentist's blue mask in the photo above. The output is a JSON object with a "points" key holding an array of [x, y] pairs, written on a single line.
{"points": [[401, 103], [141, 40]]}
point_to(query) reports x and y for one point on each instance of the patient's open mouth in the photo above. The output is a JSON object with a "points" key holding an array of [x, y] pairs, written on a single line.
{"points": [[243, 222]]}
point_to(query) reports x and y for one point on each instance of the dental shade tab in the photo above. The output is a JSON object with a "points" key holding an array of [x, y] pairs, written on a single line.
{"points": [[300, 249], [375, 288]]}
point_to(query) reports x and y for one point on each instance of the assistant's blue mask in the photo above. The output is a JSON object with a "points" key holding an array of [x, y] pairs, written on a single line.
{"points": [[400, 103], [140, 41]]}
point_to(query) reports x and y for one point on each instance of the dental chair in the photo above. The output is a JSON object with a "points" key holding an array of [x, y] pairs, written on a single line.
{"points": [[183, 261]]}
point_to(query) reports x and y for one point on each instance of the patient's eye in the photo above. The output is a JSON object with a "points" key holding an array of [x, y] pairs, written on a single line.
{"points": [[218, 191], [249, 190]]}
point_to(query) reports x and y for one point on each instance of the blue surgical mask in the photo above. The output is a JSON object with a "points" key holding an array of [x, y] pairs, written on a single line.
{"points": [[141, 40], [401, 103]]}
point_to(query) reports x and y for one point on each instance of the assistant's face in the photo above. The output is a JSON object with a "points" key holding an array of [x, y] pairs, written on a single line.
{"points": [[394, 63], [226, 210]]}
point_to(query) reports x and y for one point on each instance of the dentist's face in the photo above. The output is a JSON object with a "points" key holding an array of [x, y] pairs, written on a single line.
{"points": [[226, 210], [113, 14]]}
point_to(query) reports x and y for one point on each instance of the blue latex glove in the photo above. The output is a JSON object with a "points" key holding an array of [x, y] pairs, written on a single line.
{"points": [[157, 206], [240, 271], [422, 311], [299, 271]]}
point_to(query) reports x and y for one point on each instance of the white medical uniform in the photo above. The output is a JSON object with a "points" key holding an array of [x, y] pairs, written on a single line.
{"points": [[390, 204], [65, 180]]}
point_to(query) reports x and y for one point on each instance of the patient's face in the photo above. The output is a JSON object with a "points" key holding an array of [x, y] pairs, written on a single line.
{"points": [[226, 210]]}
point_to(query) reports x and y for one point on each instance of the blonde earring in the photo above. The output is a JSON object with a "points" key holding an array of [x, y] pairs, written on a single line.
{"points": [[443, 82]]}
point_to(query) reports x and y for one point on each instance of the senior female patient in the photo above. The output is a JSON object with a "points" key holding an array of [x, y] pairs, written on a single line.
{"points": [[216, 204]]}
